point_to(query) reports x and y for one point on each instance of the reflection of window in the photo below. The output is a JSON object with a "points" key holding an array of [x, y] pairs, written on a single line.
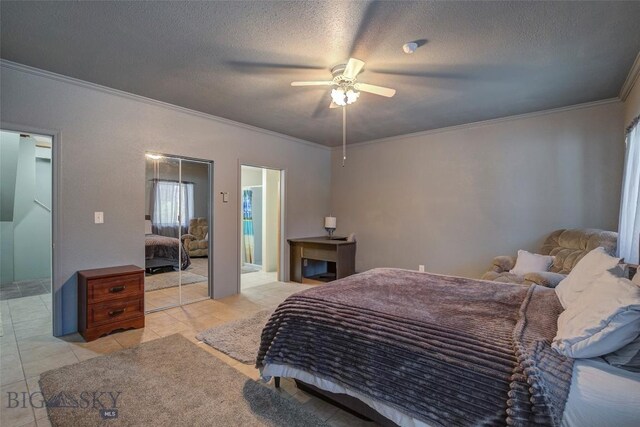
{"points": [[173, 203]]}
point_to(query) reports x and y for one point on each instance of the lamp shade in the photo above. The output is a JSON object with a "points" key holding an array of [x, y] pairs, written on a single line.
{"points": [[330, 222]]}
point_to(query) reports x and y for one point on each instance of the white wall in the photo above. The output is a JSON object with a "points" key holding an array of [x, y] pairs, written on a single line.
{"points": [[454, 199], [31, 221], [102, 141], [270, 218]]}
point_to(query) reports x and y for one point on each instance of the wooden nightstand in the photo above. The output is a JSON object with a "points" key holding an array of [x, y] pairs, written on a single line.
{"points": [[110, 299]]}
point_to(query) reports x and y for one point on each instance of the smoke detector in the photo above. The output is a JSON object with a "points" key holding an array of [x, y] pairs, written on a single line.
{"points": [[410, 47]]}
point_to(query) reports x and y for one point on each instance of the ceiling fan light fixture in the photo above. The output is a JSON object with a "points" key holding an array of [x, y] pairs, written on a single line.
{"points": [[338, 97], [343, 97], [352, 96]]}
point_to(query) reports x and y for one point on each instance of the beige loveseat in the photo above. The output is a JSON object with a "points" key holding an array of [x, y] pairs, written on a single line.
{"points": [[197, 241], [568, 246]]}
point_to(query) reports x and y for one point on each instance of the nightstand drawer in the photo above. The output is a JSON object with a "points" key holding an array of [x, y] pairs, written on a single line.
{"points": [[110, 288], [322, 254], [115, 311]]}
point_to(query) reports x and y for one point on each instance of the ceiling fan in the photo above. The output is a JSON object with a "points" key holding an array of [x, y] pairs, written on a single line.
{"points": [[347, 91], [347, 88]]}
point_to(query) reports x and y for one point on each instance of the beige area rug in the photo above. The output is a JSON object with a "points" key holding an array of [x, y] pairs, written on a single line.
{"points": [[171, 279], [239, 339], [165, 382]]}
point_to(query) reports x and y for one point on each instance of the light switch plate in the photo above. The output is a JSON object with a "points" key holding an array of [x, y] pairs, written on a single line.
{"points": [[98, 217]]}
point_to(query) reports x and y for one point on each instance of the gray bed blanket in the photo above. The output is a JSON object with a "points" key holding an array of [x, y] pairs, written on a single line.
{"points": [[444, 350], [166, 248]]}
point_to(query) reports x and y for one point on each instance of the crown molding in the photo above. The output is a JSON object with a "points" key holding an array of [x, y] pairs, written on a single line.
{"points": [[82, 83], [482, 123], [631, 80]]}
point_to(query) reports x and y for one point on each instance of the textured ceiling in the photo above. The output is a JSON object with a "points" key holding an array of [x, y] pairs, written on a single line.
{"points": [[481, 60]]}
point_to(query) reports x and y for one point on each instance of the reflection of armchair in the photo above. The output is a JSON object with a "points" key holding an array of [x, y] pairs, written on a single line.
{"points": [[197, 241]]}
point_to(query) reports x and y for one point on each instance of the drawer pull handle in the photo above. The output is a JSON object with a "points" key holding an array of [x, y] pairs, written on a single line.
{"points": [[116, 312], [117, 289]]}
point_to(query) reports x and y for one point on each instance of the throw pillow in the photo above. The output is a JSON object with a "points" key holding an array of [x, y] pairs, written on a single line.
{"points": [[530, 263], [603, 319], [583, 273]]}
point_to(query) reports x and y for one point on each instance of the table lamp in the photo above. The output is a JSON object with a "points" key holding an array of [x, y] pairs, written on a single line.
{"points": [[330, 225]]}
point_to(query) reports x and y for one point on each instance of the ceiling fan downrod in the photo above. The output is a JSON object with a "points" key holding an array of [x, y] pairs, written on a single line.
{"points": [[344, 134]]}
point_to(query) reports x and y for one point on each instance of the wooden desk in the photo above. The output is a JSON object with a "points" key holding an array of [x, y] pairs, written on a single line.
{"points": [[321, 259]]}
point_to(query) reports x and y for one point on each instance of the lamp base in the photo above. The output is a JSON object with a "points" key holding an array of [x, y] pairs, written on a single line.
{"points": [[330, 232]]}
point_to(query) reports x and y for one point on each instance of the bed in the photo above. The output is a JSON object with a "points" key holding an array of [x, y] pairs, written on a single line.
{"points": [[163, 252], [420, 349]]}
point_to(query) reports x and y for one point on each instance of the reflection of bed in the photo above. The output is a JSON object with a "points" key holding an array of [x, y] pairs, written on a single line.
{"points": [[428, 350], [162, 251]]}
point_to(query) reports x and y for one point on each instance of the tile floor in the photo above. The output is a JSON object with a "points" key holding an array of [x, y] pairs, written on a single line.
{"points": [[256, 278], [27, 348], [25, 288]]}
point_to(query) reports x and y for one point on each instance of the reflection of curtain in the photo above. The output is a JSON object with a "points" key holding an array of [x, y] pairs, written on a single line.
{"points": [[172, 205], [247, 225], [629, 229]]}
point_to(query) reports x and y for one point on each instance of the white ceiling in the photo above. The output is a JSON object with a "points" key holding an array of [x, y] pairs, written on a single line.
{"points": [[481, 60]]}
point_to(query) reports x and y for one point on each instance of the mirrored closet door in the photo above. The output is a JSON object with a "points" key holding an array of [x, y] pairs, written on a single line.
{"points": [[177, 238]]}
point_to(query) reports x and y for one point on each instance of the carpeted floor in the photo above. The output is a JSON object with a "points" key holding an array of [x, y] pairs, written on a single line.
{"points": [[165, 382], [171, 279], [239, 339]]}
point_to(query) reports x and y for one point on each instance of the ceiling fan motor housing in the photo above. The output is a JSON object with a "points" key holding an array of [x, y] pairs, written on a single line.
{"points": [[339, 78]]}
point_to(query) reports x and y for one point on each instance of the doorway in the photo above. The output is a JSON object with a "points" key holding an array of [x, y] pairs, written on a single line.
{"points": [[177, 233], [260, 232], [26, 205]]}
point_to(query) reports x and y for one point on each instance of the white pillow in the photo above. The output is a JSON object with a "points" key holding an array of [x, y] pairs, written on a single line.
{"points": [[531, 263], [148, 227], [583, 273], [604, 318]]}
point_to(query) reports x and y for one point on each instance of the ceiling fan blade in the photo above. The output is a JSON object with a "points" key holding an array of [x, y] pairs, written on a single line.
{"points": [[313, 83], [378, 90], [429, 74], [268, 67], [354, 66], [333, 105]]}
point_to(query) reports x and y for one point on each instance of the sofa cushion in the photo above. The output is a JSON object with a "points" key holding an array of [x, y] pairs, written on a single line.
{"points": [[548, 279], [569, 246]]}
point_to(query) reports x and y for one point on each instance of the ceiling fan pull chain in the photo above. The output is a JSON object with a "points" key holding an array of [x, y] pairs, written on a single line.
{"points": [[344, 134]]}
